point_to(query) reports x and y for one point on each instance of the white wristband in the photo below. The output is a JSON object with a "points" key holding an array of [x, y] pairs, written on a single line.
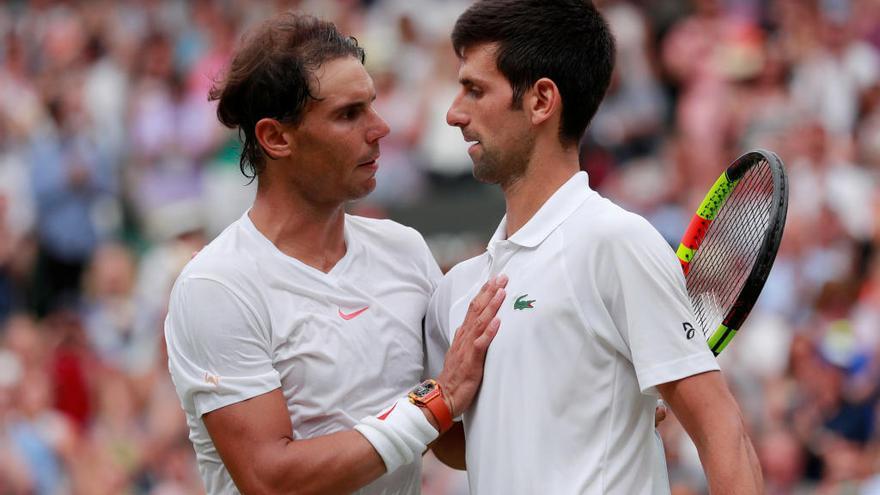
{"points": [[401, 436]]}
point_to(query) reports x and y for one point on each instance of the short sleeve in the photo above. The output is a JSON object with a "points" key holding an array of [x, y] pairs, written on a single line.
{"points": [[218, 351], [642, 289]]}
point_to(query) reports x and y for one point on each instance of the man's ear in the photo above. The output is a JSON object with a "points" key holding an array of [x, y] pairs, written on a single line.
{"points": [[543, 101], [274, 137]]}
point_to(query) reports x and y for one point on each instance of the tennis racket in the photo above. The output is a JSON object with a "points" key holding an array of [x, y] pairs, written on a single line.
{"points": [[731, 243]]}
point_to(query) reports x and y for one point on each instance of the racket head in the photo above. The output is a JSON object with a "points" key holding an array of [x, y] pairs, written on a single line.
{"points": [[731, 243]]}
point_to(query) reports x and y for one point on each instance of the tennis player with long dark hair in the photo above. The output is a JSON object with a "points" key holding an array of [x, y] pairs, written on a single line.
{"points": [[294, 336]]}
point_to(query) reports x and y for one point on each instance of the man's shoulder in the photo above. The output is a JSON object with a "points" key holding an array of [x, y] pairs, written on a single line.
{"points": [[600, 221], [228, 264], [466, 269], [230, 256], [386, 234]]}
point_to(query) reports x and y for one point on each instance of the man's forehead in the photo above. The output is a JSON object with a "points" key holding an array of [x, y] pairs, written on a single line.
{"points": [[478, 62], [343, 78]]}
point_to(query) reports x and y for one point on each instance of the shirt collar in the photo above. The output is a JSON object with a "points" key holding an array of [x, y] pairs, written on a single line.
{"points": [[552, 213]]}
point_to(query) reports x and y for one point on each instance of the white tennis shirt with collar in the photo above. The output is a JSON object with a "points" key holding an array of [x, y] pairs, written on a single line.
{"points": [[596, 316], [245, 319]]}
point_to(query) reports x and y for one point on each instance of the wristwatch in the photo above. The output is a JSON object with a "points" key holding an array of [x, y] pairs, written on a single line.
{"points": [[429, 395]]}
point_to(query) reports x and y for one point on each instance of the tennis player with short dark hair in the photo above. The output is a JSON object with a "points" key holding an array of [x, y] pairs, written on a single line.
{"points": [[289, 333], [597, 320]]}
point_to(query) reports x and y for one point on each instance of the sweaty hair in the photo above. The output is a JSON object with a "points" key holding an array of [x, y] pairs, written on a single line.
{"points": [[271, 76], [566, 41]]}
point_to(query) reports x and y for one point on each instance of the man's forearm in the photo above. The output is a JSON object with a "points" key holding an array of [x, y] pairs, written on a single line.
{"points": [[711, 417], [450, 448], [253, 440], [729, 460], [337, 463]]}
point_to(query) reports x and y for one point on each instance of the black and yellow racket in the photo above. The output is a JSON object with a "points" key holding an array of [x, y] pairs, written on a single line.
{"points": [[731, 243]]}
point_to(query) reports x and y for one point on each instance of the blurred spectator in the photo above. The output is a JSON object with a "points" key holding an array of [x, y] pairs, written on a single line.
{"points": [[34, 436], [833, 78], [702, 54], [399, 179], [14, 476], [71, 177], [630, 120], [782, 462], [109, 307], [442, 148], [172, 131], [43, 437], [71, 366]]}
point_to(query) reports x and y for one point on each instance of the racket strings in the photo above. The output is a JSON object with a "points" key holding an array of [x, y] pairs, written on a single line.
{"points": [[728, 259], [725, 258], [729, 253]]}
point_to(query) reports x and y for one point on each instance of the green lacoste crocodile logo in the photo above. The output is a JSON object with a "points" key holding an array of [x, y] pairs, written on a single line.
{"points": [[520, 304]]}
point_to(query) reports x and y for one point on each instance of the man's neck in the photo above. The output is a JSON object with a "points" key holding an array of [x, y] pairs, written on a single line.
{"points": [[311, 233], [546, 173]]}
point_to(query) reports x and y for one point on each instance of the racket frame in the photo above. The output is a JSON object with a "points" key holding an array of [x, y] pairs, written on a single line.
{"points": [[702, 222]]}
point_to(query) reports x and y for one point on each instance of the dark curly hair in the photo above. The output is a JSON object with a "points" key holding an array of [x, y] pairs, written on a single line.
{"points": [[271, 76]]}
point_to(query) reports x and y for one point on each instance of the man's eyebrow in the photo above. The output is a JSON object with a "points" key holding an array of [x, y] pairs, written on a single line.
{"points": [[354, 103], [468, 81]]}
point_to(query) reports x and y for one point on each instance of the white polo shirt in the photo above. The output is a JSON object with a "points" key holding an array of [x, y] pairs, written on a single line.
{"points": [[245, 319], [593, 321]]}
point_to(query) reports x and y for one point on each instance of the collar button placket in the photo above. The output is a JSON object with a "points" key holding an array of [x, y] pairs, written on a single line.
{"points": [[501, 251]]}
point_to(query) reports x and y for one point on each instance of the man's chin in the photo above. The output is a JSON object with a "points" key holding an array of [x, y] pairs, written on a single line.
{"points": [[485, 179], [486, 174], [363, 189]]}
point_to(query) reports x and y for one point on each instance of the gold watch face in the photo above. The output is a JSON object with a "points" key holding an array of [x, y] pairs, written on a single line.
{"points": [[423, 389]]}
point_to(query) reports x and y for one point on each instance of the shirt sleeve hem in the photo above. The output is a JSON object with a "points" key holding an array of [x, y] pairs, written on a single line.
{"points": [[206, 402], [675, 370]]}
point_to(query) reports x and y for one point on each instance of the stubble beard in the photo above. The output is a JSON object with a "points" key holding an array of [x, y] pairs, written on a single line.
{"points": [[495, 166], [331, 190]]}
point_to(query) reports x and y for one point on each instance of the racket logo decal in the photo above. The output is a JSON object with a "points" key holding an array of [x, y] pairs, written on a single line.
{"points": [[520, 304], [689, 330]]}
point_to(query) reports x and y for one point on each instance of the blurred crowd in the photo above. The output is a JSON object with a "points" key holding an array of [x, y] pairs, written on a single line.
{"points": [[114, 170]]}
